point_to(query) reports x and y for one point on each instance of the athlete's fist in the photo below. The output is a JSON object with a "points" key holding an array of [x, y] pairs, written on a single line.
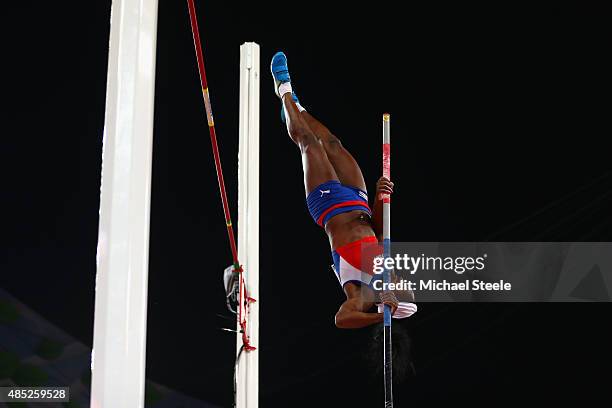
{"points": [[389, 298], [384, 186]]}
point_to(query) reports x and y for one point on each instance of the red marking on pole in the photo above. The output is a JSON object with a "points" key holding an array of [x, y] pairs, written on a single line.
{"points": [[386, 168]]}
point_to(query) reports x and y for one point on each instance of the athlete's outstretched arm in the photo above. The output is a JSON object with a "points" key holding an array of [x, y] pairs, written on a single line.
{"points": [[353, 312], [383, 186], [350, 316]]}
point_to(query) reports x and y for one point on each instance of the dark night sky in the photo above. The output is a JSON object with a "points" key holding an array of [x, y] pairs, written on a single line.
{"points": [[496, 114]]}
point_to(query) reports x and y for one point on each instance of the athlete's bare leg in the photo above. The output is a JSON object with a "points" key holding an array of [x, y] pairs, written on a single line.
{"points": [[316, 165], [344, 163]]}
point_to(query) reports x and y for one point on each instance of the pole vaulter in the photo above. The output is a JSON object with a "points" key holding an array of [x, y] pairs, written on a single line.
{"points": [[337, 199]]}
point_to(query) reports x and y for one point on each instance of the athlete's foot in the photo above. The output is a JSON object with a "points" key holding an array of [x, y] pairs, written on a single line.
{"points": [[280, 72], [282, 81]]}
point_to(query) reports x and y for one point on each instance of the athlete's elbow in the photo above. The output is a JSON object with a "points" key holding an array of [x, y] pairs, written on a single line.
{"points": [[348, 321], [341, 321]]}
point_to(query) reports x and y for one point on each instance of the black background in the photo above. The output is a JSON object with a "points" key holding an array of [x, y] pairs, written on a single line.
{"points": [[499, 127]]}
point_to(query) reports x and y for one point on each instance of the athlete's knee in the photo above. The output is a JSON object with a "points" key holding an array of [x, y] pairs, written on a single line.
{"points": [[332, 139], [332, 144], [302, 135], [299, 132], [310, 144]]}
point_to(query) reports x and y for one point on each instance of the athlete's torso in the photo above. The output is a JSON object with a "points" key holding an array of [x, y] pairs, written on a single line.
{"points": [[348, 227]]}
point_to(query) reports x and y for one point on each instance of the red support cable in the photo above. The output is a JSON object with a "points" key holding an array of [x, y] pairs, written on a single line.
{"points": [[244, 300], [211, 127]]}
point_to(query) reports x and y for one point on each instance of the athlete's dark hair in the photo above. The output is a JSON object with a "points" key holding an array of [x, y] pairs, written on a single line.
{"points": [[401, 347]]}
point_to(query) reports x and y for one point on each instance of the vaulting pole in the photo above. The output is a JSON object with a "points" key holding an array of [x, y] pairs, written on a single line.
{"points": [[388, 356]]}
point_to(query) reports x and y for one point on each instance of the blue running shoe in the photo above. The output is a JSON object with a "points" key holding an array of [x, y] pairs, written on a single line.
{"points": [[295, 99], [280, 71]]}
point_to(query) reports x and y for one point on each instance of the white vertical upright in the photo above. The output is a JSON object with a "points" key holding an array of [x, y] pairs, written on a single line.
{"points": [[120, 320], [247, 368]]}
